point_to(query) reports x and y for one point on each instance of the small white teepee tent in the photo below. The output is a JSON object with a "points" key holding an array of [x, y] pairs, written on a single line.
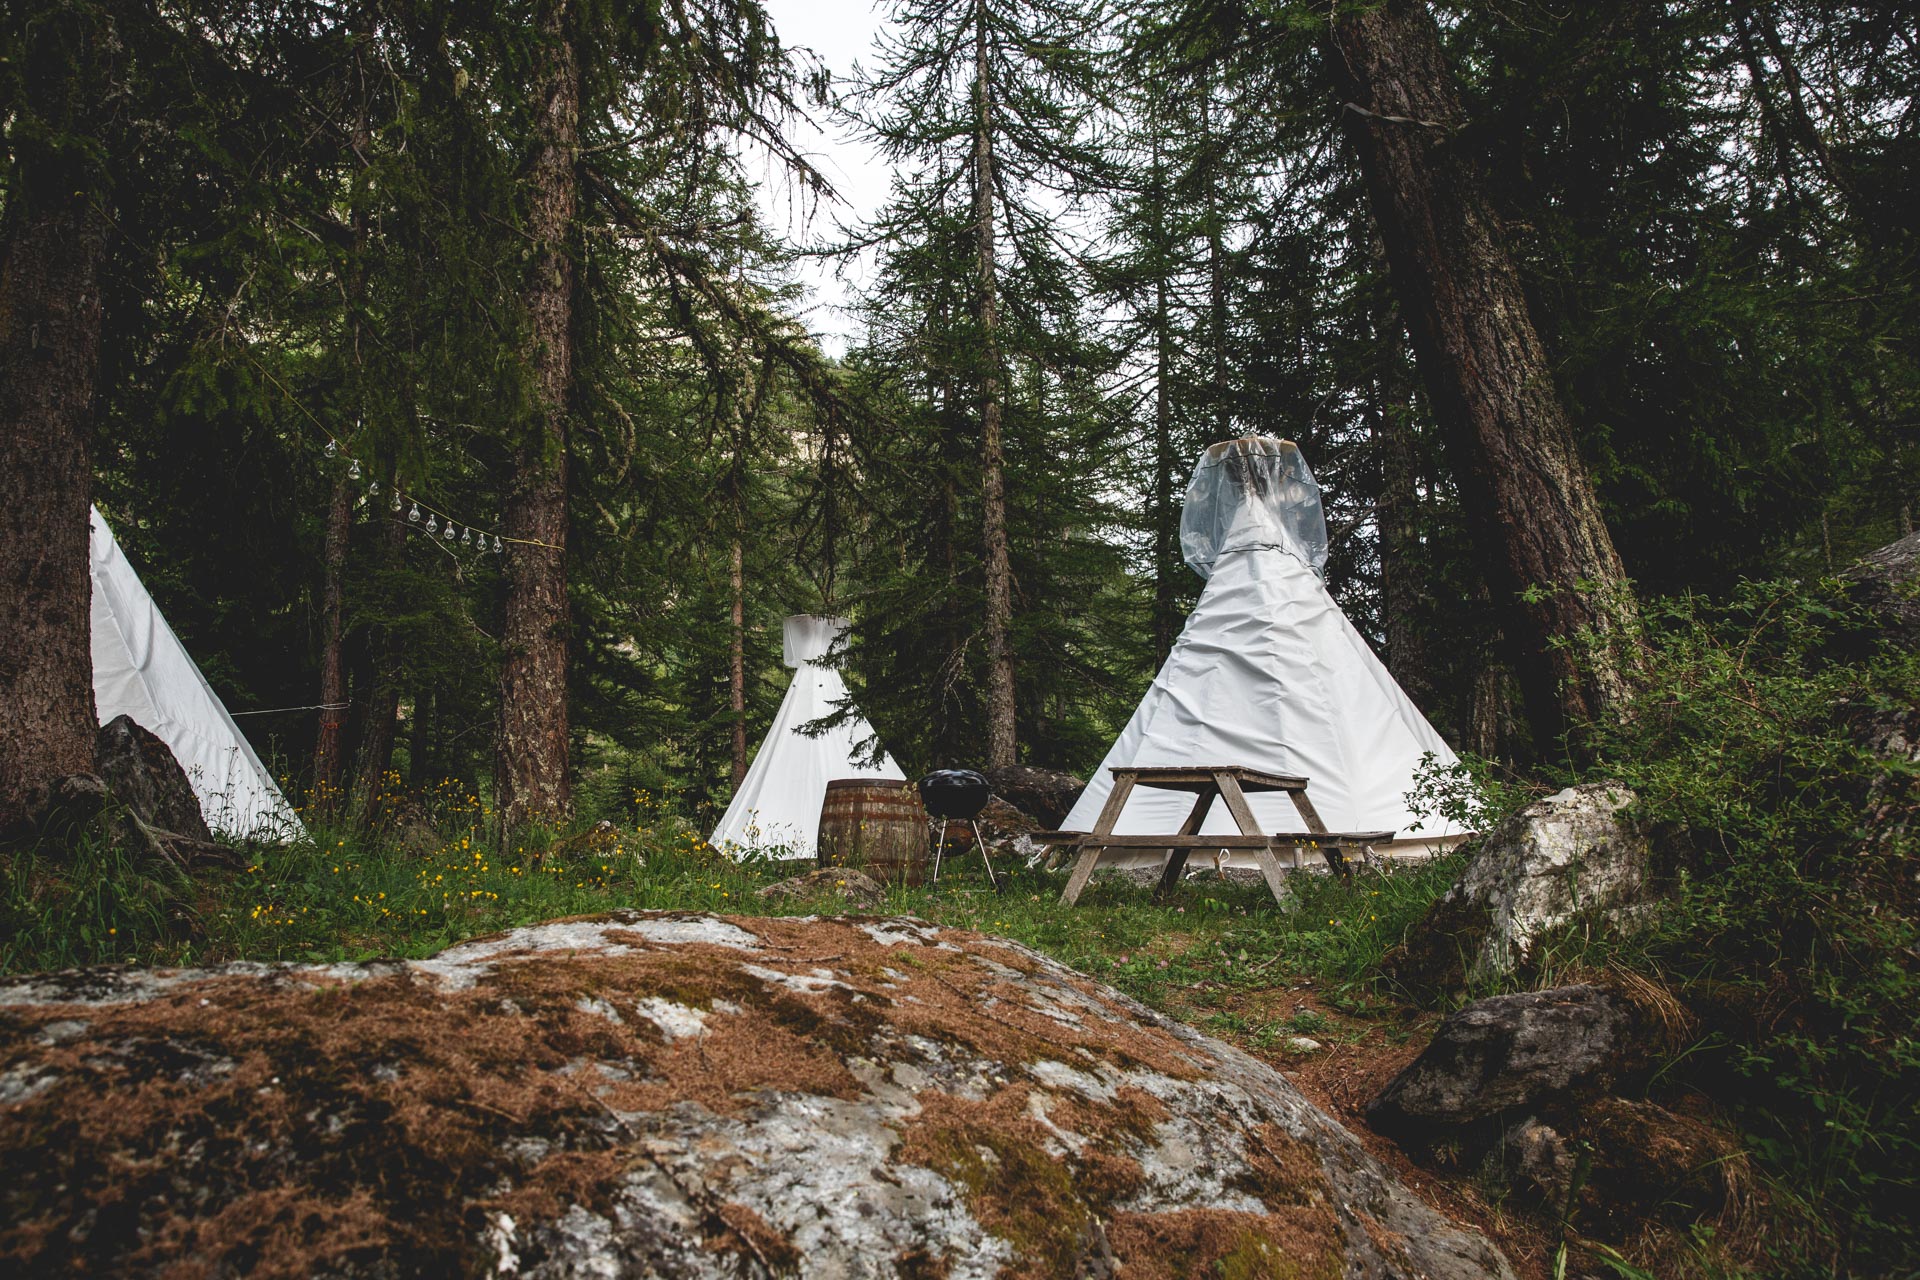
{"points": [[1268, 673], [777, 805], [141, 669]]}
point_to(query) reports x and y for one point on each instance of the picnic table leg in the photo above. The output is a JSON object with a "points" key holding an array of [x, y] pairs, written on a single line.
{"points": [[1177, 858], [1242, 813], [1272, 872], [1090, 848]]}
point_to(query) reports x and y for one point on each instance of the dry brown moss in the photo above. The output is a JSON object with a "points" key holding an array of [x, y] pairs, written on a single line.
{"points": [[1229, 1245]]}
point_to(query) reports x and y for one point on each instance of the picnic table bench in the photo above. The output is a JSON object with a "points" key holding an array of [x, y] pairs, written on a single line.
{"points": [[1232, 784]]}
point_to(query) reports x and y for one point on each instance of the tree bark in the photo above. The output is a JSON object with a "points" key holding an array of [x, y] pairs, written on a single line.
{"points": [[532, 777], [328, 751], [1486, 372], [1167, 564], [1216, 275], [737, 583], [1002, 745], [1395, 511], [329, 748], [383, 699], [52, 244]]}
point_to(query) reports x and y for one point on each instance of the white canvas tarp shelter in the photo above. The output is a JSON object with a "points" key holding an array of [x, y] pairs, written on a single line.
{"points": [[1268, 673], [777, 805], [140, 669]]}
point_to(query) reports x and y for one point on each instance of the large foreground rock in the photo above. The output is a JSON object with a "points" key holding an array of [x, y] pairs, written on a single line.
{"points": [[1561, 856], [658, 1094]]}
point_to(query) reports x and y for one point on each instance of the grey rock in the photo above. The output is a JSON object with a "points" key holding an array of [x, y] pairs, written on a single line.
{"points": [[1541, 1160], [1512, 1055], [159, 817], [141, 772], [672, 1095], [1044, 795], [1887, 581], [1565, 855], [851, 883]]}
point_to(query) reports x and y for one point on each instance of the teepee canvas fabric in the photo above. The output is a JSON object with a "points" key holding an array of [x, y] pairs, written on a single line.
{"points": [[1268, 673], [777, 805], [140, 669]]}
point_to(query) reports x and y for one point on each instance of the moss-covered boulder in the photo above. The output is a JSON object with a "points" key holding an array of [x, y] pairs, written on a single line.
{"points": [[659, 1094]]}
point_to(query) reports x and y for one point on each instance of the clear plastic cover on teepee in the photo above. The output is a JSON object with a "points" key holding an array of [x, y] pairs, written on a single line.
{"points": [[777, 805], [141, 669], [1268, 673]]}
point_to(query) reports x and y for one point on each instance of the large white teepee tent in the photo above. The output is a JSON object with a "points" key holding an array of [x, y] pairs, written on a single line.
{"points": [[1268, 673], [777, 805], [141, 669]]}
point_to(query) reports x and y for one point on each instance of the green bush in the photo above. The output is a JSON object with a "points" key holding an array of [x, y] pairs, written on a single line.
{"points": [[1788, 836]]}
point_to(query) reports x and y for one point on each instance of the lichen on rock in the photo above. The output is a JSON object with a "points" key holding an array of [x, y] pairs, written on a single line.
{"points": [[673, 1095]]}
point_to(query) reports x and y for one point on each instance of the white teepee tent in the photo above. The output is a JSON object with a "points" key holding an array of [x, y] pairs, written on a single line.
{"points": [[141, 669], [777, 805], [1268, 673]]}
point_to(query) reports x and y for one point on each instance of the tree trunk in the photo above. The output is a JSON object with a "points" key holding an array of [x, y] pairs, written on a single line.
{"points": [[1001, 736], [53, 242], [1395, 512], [532, 771], [737, 583], [1486, 372], [383, 699], [1216, 276], [1167, 564], [328, 751]]}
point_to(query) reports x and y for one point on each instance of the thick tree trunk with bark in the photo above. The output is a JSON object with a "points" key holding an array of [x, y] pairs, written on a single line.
{"points": [[531, 775], [52, 244], [1002, 747], [1485, 370]]}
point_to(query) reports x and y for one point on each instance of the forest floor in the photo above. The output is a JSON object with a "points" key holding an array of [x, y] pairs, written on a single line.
{"points": [[1219, 954]]}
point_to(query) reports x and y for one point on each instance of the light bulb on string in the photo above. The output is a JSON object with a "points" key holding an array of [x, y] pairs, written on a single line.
{"points": [[373, 490], [353, 471], [498, 546], [447, 532], [433, 523], [396, 502], [413, 516], [466, 539], [333, 449]]}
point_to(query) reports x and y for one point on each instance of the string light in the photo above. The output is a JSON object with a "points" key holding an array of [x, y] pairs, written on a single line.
{"points": [[333, 449]]}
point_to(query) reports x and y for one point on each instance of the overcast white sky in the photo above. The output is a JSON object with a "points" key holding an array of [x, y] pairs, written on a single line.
{"points": [[840, 32]]}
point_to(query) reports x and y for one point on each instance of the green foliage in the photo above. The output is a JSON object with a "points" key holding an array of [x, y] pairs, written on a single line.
{"points": [[1772, 756]]}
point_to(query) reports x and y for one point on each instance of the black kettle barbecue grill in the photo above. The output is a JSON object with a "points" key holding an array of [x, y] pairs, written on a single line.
{"points": [[956, 793]]}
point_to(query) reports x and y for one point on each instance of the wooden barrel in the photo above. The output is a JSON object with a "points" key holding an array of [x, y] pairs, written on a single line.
{"points": [[877, 825]]}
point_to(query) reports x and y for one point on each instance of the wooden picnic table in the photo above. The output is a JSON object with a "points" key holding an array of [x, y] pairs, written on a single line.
{"points": [[1233, 784]]}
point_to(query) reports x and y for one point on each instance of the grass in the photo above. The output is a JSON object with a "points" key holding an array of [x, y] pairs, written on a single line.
{"points": [[342, 895]]}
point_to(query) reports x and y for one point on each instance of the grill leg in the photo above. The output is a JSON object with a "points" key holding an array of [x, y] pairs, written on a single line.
{"points": [[940, 847], [981, 845]]}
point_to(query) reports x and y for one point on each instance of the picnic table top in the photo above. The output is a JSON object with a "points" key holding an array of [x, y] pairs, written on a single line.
{"points": [[1197, 778]]}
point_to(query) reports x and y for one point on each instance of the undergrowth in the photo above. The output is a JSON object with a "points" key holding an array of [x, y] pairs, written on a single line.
{"points": [[1784, 833]]}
